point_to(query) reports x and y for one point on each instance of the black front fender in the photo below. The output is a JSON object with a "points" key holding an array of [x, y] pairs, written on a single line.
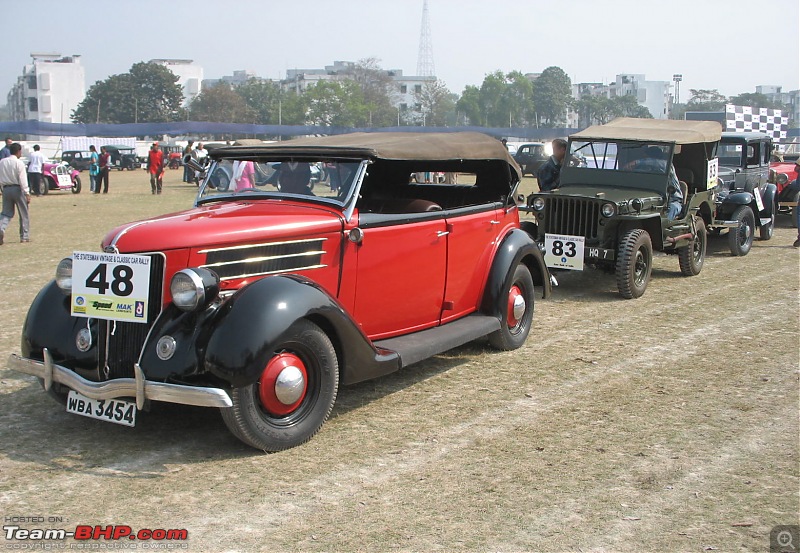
{"points": [[517, 247], [248, 328]]}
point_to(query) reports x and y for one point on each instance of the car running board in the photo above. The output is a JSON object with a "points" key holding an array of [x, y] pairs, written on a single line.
{"points": [[413, 348]]}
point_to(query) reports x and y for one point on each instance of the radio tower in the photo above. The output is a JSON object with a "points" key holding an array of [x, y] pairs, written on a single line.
{"points": [[425, 67]]}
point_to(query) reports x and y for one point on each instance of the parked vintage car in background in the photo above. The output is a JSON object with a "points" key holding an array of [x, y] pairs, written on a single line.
{"points": [[530, 157], [78, 159], [60, 176], [610, 210], [745, 199], [263, 301], [784, 175], [123, 157]]}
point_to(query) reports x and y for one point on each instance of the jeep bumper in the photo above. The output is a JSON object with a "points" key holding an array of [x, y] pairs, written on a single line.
{"points": [[138, 387]]}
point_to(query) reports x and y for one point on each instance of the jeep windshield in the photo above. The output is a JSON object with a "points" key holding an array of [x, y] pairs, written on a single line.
{"points": [[315, 180], [618, 164]]}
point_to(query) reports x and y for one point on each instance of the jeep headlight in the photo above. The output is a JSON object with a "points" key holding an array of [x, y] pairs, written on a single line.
{"points": [[538, 204], [193, 289], [64, 275], [782, 178], [608, 210]]}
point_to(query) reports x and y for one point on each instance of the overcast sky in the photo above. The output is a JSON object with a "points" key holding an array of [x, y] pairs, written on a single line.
{"points": [[730, 45]]}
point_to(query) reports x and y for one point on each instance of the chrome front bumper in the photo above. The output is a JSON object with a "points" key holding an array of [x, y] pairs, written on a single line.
{"points": [[138, 387]]}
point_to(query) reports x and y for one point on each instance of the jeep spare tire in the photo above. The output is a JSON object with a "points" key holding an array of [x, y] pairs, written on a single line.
{"points": [[294, 395], [691, 257], [740, 237], [634, 263]]}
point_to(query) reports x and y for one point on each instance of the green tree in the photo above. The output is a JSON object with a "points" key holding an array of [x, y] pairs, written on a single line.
{"points": [[376, 91], [756, 100], [552, 95], [469, 104], [705, 100], [148, 93], [221, 104], [627, 106], [436, 104], [263, 98], [336, 103]]}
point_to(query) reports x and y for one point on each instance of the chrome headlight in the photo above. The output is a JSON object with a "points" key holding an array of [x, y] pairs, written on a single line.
{"points": [[538, 204], [608, 210], [193, 289], [782, 178], [64, 275]]}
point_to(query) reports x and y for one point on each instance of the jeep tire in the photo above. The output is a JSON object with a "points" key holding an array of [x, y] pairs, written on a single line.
{"points": [[740, 237], [253, 421], [634, 263], [691, 257], [514, 327]]}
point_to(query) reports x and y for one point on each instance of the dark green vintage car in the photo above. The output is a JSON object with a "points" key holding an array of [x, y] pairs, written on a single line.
{"points": [[612, 207]]}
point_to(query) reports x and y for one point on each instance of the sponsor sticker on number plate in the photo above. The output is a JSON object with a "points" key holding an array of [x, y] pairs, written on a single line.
{"points": [[110, 286], [118, 411], [564, 251]]}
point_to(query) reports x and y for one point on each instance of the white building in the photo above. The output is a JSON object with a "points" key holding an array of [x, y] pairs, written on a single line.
{"points": [[791, 99], [49, 89], [404, 93], [654, 95], [240, 76], [190, 76]]}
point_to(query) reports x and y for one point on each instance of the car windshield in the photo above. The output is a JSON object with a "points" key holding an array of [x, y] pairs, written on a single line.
{"points": [[326, 180], [635, 157], [730, 154]]}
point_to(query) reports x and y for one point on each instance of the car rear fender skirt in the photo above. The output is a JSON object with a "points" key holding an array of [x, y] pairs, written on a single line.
{"points": [[516, 247], [248, 328]]}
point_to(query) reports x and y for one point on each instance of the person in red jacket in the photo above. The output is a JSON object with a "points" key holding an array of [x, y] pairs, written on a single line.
{"points": [[155, 166]]}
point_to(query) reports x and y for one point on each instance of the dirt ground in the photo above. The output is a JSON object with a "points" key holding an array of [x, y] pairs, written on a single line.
{"points": [[667, 423]]}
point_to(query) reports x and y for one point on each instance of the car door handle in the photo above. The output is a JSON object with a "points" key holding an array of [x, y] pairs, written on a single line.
{"points": [[494, 222], [441, 233]]}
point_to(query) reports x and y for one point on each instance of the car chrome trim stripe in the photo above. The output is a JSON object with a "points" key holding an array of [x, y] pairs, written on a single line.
{"points": [[121, 233], [210, 250], [138, 387], [278, 272], [265, 258]]}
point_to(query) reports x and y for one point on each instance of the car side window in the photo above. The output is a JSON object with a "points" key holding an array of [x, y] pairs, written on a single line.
{"points": [[765, 154], [753, 154]]}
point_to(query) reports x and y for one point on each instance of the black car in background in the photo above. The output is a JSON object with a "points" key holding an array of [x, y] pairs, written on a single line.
{"points": [[123, 157], [79, 159]]}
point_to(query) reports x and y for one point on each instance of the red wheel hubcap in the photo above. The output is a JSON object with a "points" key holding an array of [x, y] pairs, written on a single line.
{"points": [[283, 384], [513, 313]]}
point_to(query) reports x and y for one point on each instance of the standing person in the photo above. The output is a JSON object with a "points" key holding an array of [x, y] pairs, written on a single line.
{"points": [[35, 166], [796, 209], [104, 169], [188, 174], [155, 166], [199, 154], [94, 170], [244, 175], [5, 152], [14, 183], [549, 174]]}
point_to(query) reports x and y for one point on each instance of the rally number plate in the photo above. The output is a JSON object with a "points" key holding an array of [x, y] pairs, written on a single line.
{"points": [[118, 411], [110, 286], [564, 251]]}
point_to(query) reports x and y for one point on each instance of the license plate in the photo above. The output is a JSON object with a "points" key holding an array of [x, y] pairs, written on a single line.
{"points": [[117, 411], [564, 251]]}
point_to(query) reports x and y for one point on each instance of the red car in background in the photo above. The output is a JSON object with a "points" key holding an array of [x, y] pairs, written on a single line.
{"points": [[784, 174]]}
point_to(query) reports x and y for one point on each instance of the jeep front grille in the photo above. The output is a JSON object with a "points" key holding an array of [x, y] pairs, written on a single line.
{"points": [[119, 342], [265, 259], [575, 216]]}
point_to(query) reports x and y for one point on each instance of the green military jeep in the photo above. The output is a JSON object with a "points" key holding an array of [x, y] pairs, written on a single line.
{"points": [[612, 206]]}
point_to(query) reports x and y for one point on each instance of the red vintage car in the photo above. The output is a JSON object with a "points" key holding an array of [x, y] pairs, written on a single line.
{"points": [[783, 174], [263, 300], [60, 176]]}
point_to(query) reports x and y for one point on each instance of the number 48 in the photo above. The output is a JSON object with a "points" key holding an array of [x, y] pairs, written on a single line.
{"points": [[120, 284]]}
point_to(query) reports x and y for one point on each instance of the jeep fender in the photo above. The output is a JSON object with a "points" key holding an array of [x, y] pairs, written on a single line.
{"points": [[516, 247], [246, 330]]}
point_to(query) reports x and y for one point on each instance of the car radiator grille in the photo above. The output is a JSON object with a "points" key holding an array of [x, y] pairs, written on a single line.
{"points": [[121, 342], [574, 216]]}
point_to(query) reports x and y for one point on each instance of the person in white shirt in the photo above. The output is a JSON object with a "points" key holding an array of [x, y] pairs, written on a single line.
{"points": [[14, 183], [35, 165]]}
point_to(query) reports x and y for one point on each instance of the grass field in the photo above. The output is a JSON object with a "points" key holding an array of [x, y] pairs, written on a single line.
{"points": [[667, 423]]}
